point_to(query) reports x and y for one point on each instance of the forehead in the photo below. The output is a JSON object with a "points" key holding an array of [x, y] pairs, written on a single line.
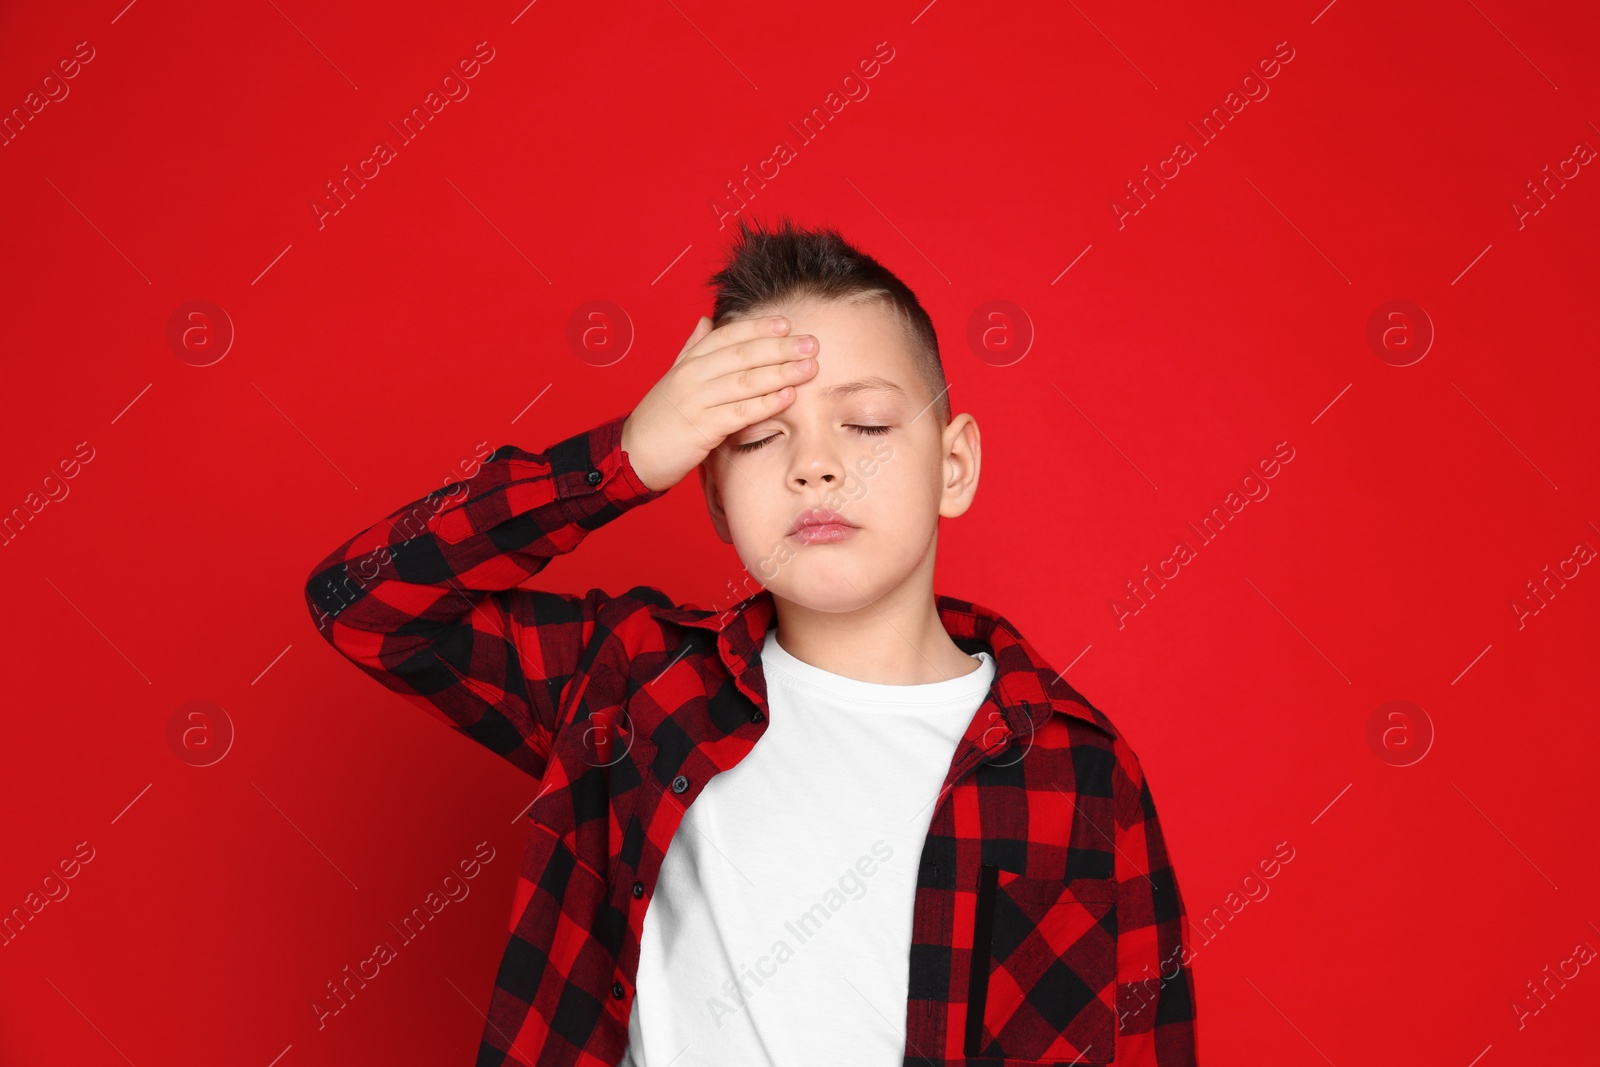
{"points": [[863, 349]]}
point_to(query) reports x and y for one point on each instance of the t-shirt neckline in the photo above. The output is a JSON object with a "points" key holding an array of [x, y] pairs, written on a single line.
{"points": [[781, 665]]}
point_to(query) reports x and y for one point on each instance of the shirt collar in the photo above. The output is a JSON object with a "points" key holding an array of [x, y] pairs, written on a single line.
{"points": [[1025, 688]]}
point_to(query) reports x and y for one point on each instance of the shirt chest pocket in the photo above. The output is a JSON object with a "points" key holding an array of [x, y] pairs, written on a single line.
{"points": [[1043, 980]]}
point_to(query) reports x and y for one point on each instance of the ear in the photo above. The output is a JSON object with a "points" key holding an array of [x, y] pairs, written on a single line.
{"points": [[719, 516], [963, 461]]}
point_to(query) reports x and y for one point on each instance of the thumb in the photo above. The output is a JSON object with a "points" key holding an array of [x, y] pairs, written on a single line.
{"points": [[702, 327]]}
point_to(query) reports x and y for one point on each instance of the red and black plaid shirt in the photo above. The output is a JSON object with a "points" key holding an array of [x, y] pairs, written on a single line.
{"points": [[1047, 925]]}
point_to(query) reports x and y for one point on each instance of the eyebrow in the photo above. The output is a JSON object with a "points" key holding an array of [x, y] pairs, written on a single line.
{"points": [[870, 384]]}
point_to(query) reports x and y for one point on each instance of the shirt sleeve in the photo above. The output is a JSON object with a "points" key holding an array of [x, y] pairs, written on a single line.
{"points": [[425, 600], [1155, 983]]}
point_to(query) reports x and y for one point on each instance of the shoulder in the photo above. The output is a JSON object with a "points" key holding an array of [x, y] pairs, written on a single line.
{"points": [[646, 625], [646, 609], [1097, 744]]}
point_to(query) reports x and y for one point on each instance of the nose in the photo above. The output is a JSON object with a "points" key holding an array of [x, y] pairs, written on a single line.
{"points": [[815, 462], [815, 475]]}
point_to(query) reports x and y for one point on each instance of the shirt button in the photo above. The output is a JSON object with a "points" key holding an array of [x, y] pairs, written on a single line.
{"points": [[679, 784], [616, 990], [638, 890], [593, 477], [756, 715]]}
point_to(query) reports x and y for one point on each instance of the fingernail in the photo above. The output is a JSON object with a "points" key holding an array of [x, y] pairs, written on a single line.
{"points": [[778, 323], [806, 344]]}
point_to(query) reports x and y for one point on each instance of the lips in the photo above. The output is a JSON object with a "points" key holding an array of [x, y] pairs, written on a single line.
{"points": [[819, 517]]}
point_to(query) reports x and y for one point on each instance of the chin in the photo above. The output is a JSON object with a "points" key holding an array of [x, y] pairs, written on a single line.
{"points": [[827, 585]]}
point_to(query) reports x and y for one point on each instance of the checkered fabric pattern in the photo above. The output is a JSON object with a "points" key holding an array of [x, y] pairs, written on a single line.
{"points": [[1048, 926]]}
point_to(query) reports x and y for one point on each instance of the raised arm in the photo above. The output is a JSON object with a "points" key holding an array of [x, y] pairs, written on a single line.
{"points": [[424, 601]]}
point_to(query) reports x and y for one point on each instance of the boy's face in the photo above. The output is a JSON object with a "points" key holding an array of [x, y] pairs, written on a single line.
{"points": [[860, 437]]}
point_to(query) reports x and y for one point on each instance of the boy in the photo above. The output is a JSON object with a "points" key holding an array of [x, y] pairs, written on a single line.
{"points": [[845, 821]]}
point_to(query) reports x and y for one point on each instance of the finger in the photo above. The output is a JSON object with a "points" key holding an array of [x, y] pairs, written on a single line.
{"points": [[738, 331], [749, 382], [728, 419], [757, 352]]}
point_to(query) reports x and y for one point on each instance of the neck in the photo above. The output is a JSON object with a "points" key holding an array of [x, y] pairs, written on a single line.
{"points": [[894, 640]]}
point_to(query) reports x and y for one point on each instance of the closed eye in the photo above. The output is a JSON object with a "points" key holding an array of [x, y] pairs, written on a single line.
{"points": [[865, 431]]}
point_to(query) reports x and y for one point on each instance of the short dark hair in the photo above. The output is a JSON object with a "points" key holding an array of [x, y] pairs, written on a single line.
{"points": [[769, 267]]}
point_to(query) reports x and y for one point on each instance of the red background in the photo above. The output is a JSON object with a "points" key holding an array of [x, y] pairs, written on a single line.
{"points": [[374, 352]]}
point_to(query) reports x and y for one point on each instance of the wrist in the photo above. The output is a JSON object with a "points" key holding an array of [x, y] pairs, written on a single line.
{"points": [[645, 477]]}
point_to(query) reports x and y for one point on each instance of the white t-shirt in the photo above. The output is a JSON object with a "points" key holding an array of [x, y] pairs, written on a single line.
{"points": [[779, 934]]}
